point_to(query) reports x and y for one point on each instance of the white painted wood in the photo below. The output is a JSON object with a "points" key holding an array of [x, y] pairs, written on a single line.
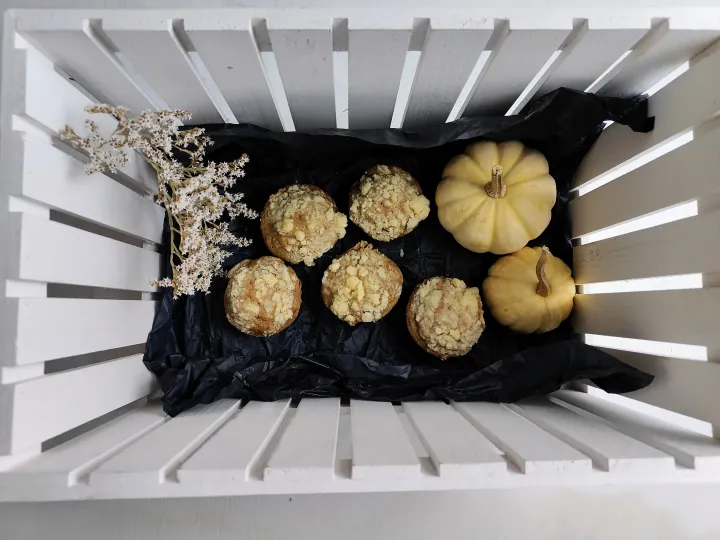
{"points": [[305, 61], [57, 253], [609, 450], [156, 57], [49, 328], [682, 316], [233, 62], [683, 386], [455, 446], [306, 450], [672, 50], [54, 178], [681, 175], [376, 59], [684, 103], [688, 448], [69, 464], [448, 58], [67, 108], [235, 451], [531, 449], [596, 52], [154, 458], [521, 55], [380, 448], [680, 247], [76, 54], [47, 406]]}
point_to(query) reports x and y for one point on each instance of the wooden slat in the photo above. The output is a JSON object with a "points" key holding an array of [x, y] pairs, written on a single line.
{"points": [[304, 58], [380, 447], [688, 448], [67, 108], [609, 449], [233, 63], [49, 328], [673, 49], [56, 253], [686, 102], [59, 181], [376, 59], [683, 386], [652, 187], [597, 50], [680, 247], [154, 457], [448, 57], [522, 53], [70, 462], [683, 316], [533, 450], [47, 406], [307, 448], [156, 57], [235, 450], [455, 446], [74, 53]]}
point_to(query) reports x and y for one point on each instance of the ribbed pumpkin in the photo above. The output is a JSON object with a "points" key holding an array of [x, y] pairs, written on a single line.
{"points": [[530, 291], [496, 197]]}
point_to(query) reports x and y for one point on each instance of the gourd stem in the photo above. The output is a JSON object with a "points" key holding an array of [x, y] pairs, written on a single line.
{"points": [[495, 188], [543, 288]]}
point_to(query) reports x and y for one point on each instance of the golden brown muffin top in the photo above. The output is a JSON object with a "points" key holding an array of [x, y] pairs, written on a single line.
{"points": [[262, 296], [387, 203], [302, 223], [361, 285], [448, 315]]}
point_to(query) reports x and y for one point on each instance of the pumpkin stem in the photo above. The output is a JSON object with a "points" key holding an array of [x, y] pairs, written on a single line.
{"points": [[543, 288], [495, 188]]}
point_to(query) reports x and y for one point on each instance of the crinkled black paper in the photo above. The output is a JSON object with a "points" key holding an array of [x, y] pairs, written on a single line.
{"points": [[199, 357]]}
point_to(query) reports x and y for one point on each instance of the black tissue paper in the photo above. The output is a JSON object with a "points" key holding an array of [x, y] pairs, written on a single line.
{"points": [[199, 357]]}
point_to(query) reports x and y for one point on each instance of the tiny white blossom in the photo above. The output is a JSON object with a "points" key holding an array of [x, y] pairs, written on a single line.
{"points": [[193, 192]]}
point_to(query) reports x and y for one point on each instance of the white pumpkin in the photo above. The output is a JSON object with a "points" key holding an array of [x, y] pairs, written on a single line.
{"points": [[496, 197]]}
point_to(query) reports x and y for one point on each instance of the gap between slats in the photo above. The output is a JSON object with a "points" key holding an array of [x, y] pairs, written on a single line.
{"points": [[43, 118], [249, 434], [155, 458], [70, 463], [645, 409], [610, 450], [45, 331], [684, 387], [687, 448], [679, 107], [71, 398], [684, 316]]}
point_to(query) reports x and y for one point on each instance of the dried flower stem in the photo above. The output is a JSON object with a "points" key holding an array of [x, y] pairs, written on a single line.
{"points": [[195, 194]]}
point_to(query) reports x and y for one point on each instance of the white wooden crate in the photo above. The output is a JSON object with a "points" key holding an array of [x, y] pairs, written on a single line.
{"points": [[78, 251]]}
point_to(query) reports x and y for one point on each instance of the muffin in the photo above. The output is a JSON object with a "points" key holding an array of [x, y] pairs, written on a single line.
{"points": [[262, 297], [387, 203], [361, 285], [301, 222], [445, 317]]}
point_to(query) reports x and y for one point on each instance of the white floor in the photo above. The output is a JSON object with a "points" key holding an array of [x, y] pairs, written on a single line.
{"points": [[654, 514]]}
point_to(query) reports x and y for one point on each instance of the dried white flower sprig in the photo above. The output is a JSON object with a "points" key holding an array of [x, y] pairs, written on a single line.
{"points": [[194, 194]]}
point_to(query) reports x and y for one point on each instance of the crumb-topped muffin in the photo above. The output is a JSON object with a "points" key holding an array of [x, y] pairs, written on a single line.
{"points": [[301, 222], [361, 285], [387, 203], [445, 317], [262, 297]]}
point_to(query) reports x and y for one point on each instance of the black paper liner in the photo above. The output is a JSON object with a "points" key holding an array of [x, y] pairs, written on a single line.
{"points": [[199, 357]]}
